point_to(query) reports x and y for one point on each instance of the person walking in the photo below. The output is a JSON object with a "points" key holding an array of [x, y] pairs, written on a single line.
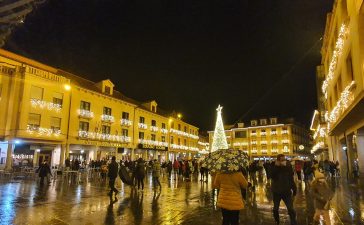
{"points": [[169, 169], [156, 171], [43, 171], [322, 195], [176, 167], [230, 198], [113, 168], [283, 188], [140, 173]]}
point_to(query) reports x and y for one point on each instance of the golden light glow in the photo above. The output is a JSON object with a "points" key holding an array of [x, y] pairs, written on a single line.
{"points": [[67, 87]]}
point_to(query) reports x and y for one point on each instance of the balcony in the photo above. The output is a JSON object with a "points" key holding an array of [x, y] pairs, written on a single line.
{"points": [[37, 103], [142, 126], [103, 136], [41, 131], [107, 118], [154, 128], [85, 114], [126, 122], [164, 131], [151, 142]]}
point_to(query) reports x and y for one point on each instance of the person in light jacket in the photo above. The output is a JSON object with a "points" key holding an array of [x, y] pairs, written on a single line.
{"points": [[322, 195], [230, 199]]}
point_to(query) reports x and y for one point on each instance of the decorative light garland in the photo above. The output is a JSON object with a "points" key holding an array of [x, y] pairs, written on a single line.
{"points": [[274, 142], [335, 57], [103, 137], [151, 142], [164, 131], [263, 133], [317, 146], [273, 132], [43, 104], [142, 126], [107, 118], [320, 132], [342, 104], [185, 134], [284, 131], [285, 141], [85, 113], [263, 142], [41, 131], [154, 128], [126, 122]]}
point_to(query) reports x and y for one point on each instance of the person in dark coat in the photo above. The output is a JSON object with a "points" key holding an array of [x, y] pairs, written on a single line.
{"points": [[169, 169], [140, 173], [43, 170], [112, 174], [283, 188]]}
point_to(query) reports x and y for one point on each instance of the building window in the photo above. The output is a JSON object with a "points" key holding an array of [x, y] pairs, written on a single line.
{"points": [[141, 135], [163, 139], [107, 90], [85, 105], [83, 126], [105, 129], [153, 109], [179, 126], [172, 141], [107, 111], [240, 134], [34, 120], [154, 123], [125, 132], [141, 119], [253, 123], [349, 67], [185, 129], [273, 120], [153, 137], [36, 93], [58, 98], [179, 141], [163, 126], [185, 142], [125, 115], [263, 122], [172, 125], [55, 123]]}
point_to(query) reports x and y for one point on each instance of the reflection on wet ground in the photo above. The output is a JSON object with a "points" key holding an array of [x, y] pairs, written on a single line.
{"points": [[179, 202]]}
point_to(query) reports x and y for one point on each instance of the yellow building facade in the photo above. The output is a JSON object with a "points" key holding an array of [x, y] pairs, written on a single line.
{"points": [[342, 87], [266, 138], [49, 114]]}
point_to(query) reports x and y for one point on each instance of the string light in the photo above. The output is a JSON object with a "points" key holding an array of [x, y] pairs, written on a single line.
{"points": [[219, 139], [41, 131], [107, 118], [317, 146], [126, 122], [154, 143], [335, 57], [45, 105], [342, 104], [142, 126], [154, 128], [164, 131], [185, 134], [85, 113], [103, 137]]}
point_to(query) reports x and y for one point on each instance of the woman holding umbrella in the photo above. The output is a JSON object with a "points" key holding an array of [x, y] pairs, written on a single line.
{"points": [[229, 180]]}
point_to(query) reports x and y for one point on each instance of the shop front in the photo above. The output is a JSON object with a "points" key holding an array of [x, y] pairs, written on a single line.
{"points": [[151, 152]]}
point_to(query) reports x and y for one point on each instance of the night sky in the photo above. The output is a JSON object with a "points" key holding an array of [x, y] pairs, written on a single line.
{"points": [[257, 58]]}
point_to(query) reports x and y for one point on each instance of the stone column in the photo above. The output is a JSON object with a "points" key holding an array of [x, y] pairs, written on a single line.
{"points": [[9, 157], [350, 154], [63, 155], [67, 154], [360, 149]]}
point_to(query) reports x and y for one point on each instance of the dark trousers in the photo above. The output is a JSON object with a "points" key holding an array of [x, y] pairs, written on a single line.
{"points": [[42, 180], [156, 181], [288, 201], [140, 182], [112, 186], [230, 217], [299, 175]]}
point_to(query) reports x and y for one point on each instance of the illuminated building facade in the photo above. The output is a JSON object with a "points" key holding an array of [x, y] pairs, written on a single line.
{"points": [[265, 138], [343, 86], [49, 114]]}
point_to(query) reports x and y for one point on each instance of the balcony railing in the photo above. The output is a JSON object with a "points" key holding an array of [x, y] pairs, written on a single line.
{"points": [[37, 103], [103, 137], [154, 143], [126, 122], [142, 126], [154, 128], [41, 131], [107, 118], [164, 131], [85, 113]]}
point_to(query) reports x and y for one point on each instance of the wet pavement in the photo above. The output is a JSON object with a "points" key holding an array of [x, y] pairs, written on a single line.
{"points": [[179, 202]]}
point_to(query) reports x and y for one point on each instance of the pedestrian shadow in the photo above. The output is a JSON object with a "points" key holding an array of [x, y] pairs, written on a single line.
{"points": [[110, 217], [136, 205]]}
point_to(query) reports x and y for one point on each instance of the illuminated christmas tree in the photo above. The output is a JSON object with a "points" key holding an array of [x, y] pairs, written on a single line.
{"points": [[219, 139]]}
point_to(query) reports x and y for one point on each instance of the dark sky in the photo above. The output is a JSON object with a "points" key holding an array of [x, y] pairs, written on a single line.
{"points": [[189, 55]]}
